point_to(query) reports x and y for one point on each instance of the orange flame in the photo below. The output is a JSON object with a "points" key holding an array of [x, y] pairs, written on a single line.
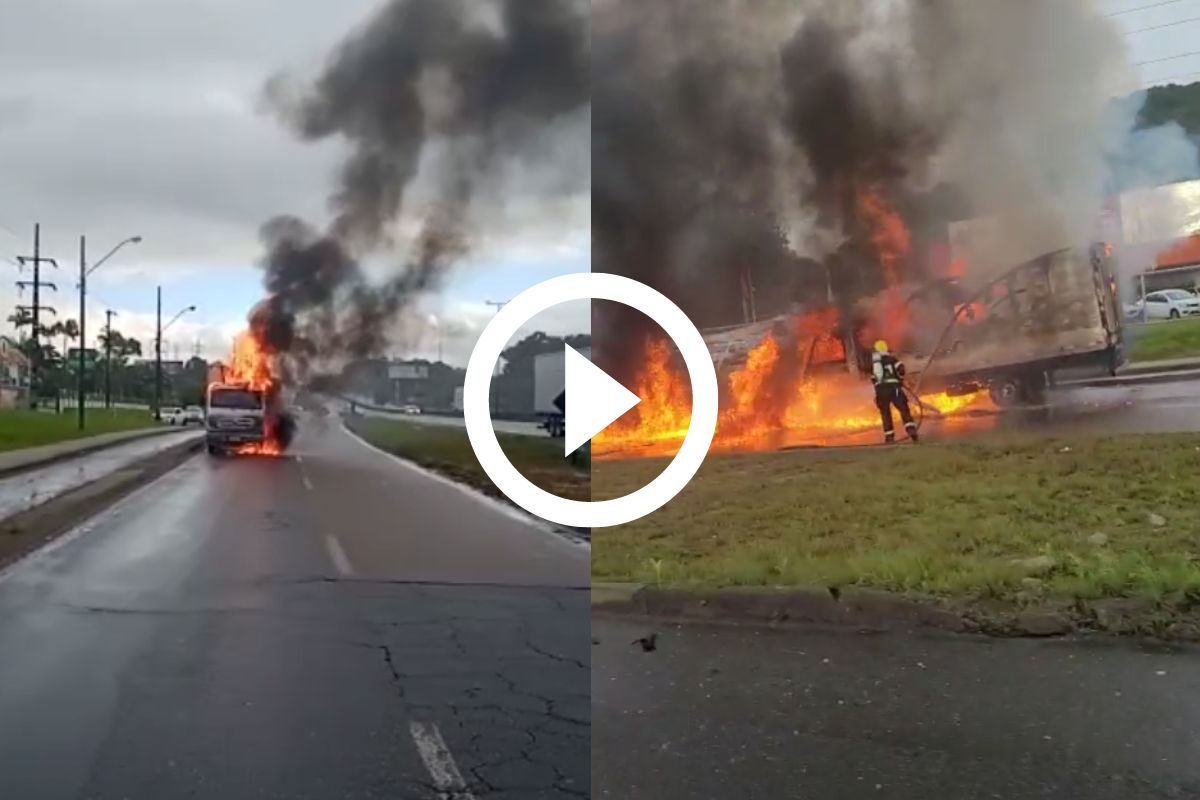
{"points": [[250, 364], [892, 243], [767, 396]]}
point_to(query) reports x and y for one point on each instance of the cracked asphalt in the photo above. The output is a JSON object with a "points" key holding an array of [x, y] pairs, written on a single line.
{"points": [[330, 626], [719, 712]]}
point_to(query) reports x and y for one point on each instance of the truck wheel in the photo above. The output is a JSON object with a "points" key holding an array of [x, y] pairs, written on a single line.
{"points": [[1006, 393]]}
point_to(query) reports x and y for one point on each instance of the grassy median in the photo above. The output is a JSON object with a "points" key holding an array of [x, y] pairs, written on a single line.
{"points": [[446, 449], [990, 518], [24, 428], [1165, 340]]}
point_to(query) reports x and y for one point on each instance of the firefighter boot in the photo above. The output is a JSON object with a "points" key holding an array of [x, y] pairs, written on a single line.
{"points": [[911, 429]]}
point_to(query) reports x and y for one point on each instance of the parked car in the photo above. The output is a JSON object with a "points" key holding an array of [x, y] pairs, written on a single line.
{"points": [[1166, 304], [193, 415], [410, 409], [172, 415]]}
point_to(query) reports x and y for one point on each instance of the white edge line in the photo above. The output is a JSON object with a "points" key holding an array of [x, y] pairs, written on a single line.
{"points": [[338, 556], [496, 505], [86, 526], [439, 761]]}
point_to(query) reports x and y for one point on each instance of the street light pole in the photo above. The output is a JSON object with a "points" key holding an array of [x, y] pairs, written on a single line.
{"points": [[158, 361], [84, 271], [108, 315], [82, 326], [158, 353]]}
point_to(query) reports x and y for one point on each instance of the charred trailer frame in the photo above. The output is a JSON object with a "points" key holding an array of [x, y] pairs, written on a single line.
{"points": [[1057, 312]]}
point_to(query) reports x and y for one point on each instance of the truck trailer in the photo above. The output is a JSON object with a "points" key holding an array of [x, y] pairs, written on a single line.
{"points": [[549, 389]]}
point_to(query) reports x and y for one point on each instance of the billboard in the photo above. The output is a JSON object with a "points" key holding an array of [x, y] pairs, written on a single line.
{"points": [[408, 372]]}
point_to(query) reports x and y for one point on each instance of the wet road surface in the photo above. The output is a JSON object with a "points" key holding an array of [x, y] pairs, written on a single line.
{"points": [[33, 487], [719, 712], [328, 625]]}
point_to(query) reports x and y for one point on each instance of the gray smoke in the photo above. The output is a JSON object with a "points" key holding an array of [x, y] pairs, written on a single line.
{"points": [[441, 103], [776, 114]]}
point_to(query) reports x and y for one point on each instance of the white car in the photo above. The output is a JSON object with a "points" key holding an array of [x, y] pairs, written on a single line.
{"points": [[410, 409], [1167, 304], [192, 415]]}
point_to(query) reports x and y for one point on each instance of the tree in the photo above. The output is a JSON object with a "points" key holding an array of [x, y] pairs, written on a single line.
{"points": [[121, 347]]}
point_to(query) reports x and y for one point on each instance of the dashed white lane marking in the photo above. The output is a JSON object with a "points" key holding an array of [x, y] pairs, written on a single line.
{"points": [[299, 460], [338, 556], [307, 482], [439, 761]]}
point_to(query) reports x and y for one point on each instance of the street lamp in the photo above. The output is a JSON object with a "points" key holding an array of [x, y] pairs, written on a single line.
{"points": [[158, 353], [84, 271]]}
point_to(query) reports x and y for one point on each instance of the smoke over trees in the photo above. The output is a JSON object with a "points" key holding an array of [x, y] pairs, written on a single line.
{"points": [[789, 111], [446, 107]]}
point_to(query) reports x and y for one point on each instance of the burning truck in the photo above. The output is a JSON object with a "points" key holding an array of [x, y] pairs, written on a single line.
{"points": [[973, 343], [247, 411]]}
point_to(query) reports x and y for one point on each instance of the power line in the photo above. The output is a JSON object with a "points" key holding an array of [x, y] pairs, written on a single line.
{"points": [[1143, 8], [1164, 25], [1167, 58]]}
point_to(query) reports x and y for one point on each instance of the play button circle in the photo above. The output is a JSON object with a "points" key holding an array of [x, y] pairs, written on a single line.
{"points": [[595, 400]]}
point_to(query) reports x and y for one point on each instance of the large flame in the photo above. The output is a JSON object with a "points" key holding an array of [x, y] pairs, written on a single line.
{"points": [[795, 382], [252, 365]]}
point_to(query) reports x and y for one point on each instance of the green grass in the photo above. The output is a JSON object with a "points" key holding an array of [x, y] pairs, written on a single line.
{"points": [[1163, 340], [24, 428], [944, 520], [446, 449]]}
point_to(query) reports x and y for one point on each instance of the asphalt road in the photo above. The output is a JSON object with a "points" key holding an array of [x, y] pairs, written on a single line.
{"points": [[330, 624], [514, 427], [717, 713], [24, 490]]}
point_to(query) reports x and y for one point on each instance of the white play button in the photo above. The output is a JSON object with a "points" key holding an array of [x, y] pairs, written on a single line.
{"points": [[594, 400]]}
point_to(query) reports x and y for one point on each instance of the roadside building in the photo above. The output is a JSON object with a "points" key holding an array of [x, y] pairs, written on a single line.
{"points": [[14, 374]]}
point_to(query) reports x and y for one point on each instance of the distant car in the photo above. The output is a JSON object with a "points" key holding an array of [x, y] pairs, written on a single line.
{"points": [[410, 409], [193, 415], [1166, 304], [173, 415]]}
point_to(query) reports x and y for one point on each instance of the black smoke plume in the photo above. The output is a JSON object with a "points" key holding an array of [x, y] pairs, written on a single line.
{"points": [[436, 101], [732, 138]]}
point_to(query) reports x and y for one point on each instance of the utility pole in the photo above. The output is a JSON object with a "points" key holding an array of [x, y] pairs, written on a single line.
{"points": [[158, 361], [82, 328], [108, 315], [37, 283]]}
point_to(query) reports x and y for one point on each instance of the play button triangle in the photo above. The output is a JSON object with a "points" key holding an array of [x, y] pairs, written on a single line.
{"points": [[596, 400]]}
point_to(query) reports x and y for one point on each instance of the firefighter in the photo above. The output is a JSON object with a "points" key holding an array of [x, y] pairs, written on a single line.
{"points": [[887, 373]]}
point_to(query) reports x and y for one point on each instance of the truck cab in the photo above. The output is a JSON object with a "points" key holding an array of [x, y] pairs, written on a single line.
{"points": [[235, 415]]}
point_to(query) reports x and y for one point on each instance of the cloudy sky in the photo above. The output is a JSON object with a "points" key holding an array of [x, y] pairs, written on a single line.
{"points": [[1158, 32], [123, 117], [143, 117]]}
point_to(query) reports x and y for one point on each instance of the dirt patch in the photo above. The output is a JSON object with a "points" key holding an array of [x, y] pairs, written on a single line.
{"points": [[1175, 617]]}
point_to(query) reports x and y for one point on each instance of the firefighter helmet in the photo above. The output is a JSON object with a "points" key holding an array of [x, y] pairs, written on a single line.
{"points": [[881, 346]]}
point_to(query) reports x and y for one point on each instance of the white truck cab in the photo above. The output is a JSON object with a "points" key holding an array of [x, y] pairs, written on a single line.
{"points": [[235, 415]]}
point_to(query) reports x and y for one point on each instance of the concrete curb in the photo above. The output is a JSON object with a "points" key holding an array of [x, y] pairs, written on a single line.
{"points": [[93, 447], [29, 530], [869, 609], [1136, 379]]}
